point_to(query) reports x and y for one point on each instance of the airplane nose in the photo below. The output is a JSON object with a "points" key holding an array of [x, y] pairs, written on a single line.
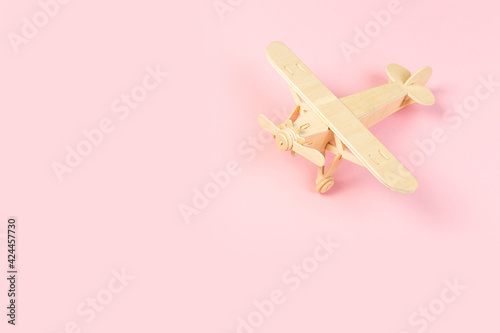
{"points": [[283, 141]]}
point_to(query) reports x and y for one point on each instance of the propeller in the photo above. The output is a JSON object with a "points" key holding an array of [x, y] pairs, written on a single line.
{"points": [[413, 85], [287, 138]]}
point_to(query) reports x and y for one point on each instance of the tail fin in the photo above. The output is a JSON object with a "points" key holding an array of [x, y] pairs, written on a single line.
{"points": [[413, 84], [420, 77], [398, 73]]}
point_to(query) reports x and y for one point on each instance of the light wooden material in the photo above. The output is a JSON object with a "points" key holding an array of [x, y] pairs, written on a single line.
{"points": [[287, 138], [327, 123], [345, 154]]}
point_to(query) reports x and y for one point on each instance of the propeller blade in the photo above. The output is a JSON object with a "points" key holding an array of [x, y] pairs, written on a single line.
{"points": [[267, 124], [311, 154], [398, 73], [420, 94], [420, 77]]}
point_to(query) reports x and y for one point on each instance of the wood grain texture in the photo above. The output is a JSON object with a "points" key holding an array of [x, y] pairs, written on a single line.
{"points": [[357, 138]]}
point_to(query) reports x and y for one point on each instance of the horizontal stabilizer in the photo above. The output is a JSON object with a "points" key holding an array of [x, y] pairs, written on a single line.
{"points": [[413, 84]]}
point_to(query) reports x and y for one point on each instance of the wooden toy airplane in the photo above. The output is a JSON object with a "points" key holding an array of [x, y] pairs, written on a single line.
{"points": [[322, 122]]}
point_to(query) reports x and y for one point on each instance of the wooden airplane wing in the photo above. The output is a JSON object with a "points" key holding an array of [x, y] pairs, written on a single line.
{"points": [[357, 138]]}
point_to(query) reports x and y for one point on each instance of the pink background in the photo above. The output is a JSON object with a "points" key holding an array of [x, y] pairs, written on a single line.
{"points": [[119, 209]]}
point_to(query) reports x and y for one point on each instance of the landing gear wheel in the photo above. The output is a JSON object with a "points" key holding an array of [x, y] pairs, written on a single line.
{"points": [[324, 185]]}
